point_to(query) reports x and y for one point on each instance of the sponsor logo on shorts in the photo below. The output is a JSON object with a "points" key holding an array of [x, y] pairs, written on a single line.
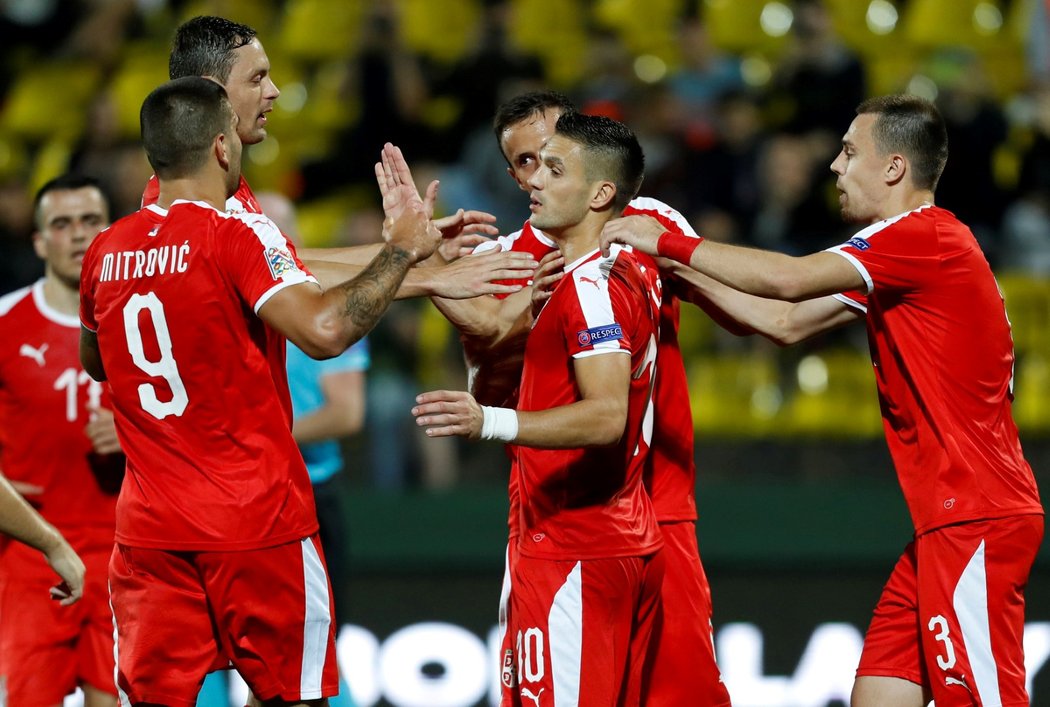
{"points": [[280, 262], [949, 503], [596, 335], [526, 692], [858, 243]]}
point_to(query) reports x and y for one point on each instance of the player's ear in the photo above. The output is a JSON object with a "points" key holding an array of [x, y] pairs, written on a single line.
{"points": [[896, 168], [38, 244], [221, 147], [603, 195]]}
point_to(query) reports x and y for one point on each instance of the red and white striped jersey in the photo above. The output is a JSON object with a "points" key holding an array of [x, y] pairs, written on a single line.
{"points": [[590, 502]]}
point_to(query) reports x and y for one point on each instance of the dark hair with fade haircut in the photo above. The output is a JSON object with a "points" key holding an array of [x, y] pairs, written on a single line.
{"points": [[179, 120], [70, 181], [527, 105], [612, 149], [204, 46], [913, 127]]}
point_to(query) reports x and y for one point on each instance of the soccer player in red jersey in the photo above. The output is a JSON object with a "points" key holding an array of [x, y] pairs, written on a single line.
{"points": [[586, 582], [59, 447], [949, 625], [683, 670], [231, 54], [184, 310]]}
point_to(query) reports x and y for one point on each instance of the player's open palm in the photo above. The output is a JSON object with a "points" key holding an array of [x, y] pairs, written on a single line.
{"points": [[447, 413], [408, 222]]}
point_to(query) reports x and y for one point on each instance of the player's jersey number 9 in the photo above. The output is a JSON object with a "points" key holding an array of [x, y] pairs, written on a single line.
{"points": [[165, 367]]}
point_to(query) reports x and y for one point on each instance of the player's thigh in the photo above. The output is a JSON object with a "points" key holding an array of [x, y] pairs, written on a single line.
{"points": [[572, 625], [95, 639], [165, 639], [971, 609], [682, 667], [872, 691], [273, 610], [37, 641], [892, 642]]}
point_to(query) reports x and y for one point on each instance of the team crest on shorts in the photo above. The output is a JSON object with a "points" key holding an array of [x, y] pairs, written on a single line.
{"points": [[280, 262], [507, 673]]}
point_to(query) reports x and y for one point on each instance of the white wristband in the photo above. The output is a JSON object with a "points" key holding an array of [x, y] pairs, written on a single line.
{"points": [[499, 423]]}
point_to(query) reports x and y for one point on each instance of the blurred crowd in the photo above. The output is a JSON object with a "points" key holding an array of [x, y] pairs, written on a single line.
{"points": [[739, 104]]}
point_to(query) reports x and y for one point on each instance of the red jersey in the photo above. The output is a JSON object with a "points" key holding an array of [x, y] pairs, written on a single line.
{"points": [[588, 503], [243, 201], [943, 356], [670, 477], [44, 400], [198, 381]]}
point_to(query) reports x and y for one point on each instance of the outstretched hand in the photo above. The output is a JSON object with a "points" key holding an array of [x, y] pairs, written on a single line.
{"points": [[462, 231], [447, 413], [639, 232], [407, 224], [481, 274]]}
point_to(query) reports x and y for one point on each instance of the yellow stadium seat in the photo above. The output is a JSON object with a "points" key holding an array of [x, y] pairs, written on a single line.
{"points": [[734, 395], [834, 396], [1028, 307], [442, 30], [1031, 407], [735, 25], [50, 101], [144, 67], [317, 30], [554, 31]]}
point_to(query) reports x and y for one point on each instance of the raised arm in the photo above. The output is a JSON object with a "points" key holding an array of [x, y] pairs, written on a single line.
{"points": [[323, 323], [596, 420], [757, 272], [464, 278]]}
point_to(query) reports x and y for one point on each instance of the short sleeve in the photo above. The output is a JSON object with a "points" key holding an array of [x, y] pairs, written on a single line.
{"points": [[594, 324], [899, 254], [260, 260]]}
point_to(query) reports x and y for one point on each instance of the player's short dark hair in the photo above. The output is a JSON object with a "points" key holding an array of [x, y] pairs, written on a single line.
{"points": [[527, 105], [70, 182], [204, 46], [612, 152], [179, 120], [913, 127]]}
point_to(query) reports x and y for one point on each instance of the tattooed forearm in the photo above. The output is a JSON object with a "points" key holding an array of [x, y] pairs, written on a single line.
{"points": [[369, 294]]}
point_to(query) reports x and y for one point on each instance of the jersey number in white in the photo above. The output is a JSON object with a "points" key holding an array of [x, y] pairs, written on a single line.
{"points": [[530, 655], [165, 368], [946, 662], [70, 381]]}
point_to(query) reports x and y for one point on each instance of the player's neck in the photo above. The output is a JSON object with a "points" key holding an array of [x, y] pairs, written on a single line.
{"points": [[579, 240], [904, 202], [196, 188], [60, 296]]}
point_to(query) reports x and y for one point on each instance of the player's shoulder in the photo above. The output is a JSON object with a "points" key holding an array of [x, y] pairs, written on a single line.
{"points": [[671, 218], [11, 301]]}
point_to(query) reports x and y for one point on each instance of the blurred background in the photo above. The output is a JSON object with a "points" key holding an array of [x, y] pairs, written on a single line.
{"points": [[740, 106]]}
